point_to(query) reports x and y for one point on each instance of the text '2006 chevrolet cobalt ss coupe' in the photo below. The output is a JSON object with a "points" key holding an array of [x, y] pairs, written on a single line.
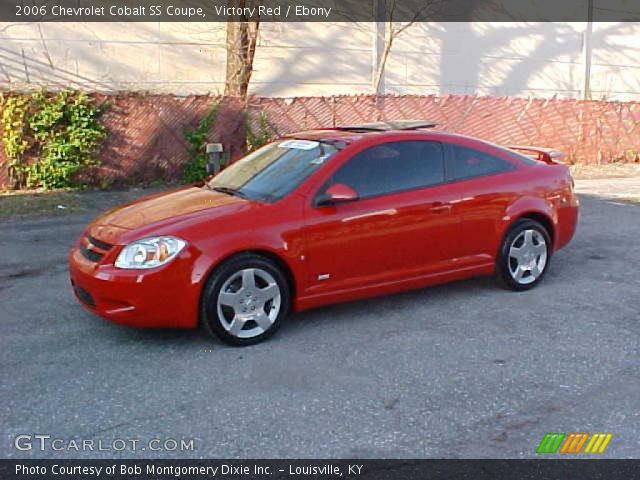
{"points": [[322, 217]]}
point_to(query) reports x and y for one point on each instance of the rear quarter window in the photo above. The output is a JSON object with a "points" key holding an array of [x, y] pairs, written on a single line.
{"points": [[468, 162]]}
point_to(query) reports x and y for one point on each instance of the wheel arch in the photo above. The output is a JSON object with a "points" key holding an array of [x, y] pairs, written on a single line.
{"points": [[542, 218], [280, 262], [534, 208]]}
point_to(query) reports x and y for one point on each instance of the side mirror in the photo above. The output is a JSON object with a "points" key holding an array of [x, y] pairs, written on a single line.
{"points": [[337, 193]]}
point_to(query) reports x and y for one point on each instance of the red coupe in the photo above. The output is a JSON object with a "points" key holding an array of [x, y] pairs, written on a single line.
{"points": [[321, 217]]}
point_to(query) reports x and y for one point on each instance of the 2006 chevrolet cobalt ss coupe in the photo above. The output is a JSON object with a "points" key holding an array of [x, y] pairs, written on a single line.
{"points": [[323, 217]]}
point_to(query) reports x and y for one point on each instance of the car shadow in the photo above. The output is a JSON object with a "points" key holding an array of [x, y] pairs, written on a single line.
{"points": [[327, 315], [335, 313]]}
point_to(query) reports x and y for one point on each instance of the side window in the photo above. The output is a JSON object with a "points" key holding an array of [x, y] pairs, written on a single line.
{"points": [[393, 167], [468, 162]]}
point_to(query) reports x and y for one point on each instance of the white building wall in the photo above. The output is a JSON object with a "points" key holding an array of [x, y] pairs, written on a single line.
{"points": [[541, 59], [294, 59], [159, 57], [615, 65]]}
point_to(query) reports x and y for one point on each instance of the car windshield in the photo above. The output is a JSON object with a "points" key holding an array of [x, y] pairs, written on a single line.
{"points": [[273, 171]]}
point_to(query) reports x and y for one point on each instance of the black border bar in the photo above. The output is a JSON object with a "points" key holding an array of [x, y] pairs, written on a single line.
{"points": [[319, 10], [543, 469]]}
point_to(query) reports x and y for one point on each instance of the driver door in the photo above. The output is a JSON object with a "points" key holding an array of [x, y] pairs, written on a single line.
{"points": [[399, 228]]}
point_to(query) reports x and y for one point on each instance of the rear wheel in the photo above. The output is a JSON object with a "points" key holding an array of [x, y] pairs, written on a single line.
{"points": [[245, 300], [524, 255]]}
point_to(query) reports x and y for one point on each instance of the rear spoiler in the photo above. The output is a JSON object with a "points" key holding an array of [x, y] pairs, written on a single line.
{"points": [[546, 155]]}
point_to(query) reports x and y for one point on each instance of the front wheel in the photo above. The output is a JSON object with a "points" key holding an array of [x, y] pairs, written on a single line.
{"points": [[245, 300], [524, 255]]}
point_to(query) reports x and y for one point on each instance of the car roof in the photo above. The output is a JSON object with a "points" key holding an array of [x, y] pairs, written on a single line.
{"points": [[413, 129]]}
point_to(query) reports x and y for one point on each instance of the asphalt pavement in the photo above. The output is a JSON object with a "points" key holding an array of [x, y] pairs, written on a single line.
{"points": [[459, 370]]}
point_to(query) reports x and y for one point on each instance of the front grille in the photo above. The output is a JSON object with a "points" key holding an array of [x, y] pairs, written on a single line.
{"points": [[93, 249], [90, 254], [84, 296], [99, 243]]}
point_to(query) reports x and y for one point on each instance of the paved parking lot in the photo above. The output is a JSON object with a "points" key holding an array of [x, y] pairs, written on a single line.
{"points": [[459, 370]]}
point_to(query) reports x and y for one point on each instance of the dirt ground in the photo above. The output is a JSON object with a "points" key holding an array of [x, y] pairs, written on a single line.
{"points": [[17, 205], [612, 170]]}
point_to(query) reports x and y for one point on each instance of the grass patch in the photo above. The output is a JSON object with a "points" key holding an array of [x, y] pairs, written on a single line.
{"points": [[24, 204]]}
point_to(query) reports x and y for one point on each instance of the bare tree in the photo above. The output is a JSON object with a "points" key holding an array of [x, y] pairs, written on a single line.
{"points": [[242, 36], [392, 31]]}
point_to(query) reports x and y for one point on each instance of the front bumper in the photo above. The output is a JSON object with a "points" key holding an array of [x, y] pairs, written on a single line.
{"points": [[163, 297]]}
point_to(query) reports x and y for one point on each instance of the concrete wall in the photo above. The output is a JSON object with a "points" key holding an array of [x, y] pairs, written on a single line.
{"points": [[300, 59]]}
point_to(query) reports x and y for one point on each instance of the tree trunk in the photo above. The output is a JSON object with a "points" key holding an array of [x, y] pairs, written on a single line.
{"points": [[382, 66], [241, 47]]}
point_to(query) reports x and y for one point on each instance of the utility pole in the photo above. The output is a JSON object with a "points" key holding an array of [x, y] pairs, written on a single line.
{"points": [[587, 53]]}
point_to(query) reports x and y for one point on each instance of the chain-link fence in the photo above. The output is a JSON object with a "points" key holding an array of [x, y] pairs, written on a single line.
{"points": [[587, 131], [146, 141]]}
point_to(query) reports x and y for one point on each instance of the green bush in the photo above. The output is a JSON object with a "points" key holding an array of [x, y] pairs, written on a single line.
{"points": [[14, 112], [196, 167], [49, 138], [262, 136]]}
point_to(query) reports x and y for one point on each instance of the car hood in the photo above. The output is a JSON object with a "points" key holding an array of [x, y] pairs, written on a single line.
{"points": [[161, 208]]}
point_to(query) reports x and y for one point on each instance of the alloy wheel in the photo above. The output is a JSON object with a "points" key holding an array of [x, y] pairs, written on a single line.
{"points": [[249, 303], [527, 256]]}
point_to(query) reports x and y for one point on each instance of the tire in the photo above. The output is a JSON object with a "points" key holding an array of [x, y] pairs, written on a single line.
{"points": [[524, 256], [245, 300]]}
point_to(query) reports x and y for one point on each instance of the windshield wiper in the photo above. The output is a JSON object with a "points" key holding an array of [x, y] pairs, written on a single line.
{"points": [[230, 191]]}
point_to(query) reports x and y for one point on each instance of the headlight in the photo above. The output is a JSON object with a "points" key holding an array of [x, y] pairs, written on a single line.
{"points": [[149, 252]]}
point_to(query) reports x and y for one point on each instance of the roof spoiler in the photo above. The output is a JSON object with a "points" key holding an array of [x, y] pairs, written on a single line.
{"points": [[542, 154]]}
